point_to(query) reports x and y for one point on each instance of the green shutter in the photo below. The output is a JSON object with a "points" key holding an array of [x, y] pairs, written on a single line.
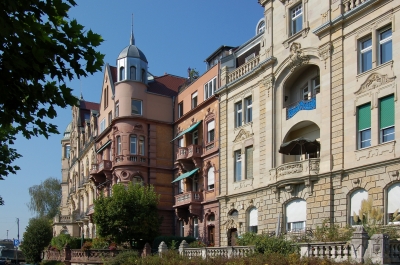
{"points": [[364, 116], [386, 112]]}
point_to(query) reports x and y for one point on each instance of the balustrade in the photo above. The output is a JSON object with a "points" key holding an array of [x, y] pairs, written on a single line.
{"points": [[188, 197], [351, 4], [296, 169], [131, 159], [293, 108], [244, 69]]}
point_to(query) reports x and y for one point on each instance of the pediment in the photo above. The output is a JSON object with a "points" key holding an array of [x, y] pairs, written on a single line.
{"points": [[373, 81], [242, 135]]}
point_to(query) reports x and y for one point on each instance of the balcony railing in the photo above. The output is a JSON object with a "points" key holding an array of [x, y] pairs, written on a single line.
{"points": [[105, 165], [64, 219], [131, 159], [189, 152], [94, 169], [297, 169], [188, 198], [351, 4], [292, 109], [244, 69]]}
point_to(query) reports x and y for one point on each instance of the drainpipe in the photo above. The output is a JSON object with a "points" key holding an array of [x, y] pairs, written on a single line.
{"points": [[173, 155]]}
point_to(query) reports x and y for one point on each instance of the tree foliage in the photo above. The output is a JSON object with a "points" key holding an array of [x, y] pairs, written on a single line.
{"points": [[40, 49], [45, 198], [130, 214], [37, 236]]}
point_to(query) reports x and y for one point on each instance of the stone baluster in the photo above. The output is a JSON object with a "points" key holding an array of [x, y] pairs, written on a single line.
{"points": [[182, 247], [162, 248]]}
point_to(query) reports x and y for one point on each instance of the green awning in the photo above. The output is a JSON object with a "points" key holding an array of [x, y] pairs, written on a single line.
{"points": [[190, 129], [103, 146], [185, 175]]}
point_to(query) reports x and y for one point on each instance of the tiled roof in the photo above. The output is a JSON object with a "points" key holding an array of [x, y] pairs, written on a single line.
{"points": [[167, 85], [113, 70], [89, 105]]}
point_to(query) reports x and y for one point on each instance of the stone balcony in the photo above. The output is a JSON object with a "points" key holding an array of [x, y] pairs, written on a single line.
{"points": [[244, 69], [295, 172], [188, 198], [192, 151], [130, 160]]}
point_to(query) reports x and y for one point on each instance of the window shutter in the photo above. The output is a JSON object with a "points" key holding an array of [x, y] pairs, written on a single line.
{"points": [[210, 176], [364, 116], [296, 211], [249, 162], [253, 217], [386, 114], [393, 198], [194, 94], [210, 126], [356, 199]]}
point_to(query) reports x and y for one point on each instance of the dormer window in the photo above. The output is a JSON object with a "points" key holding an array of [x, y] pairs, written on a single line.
{"points": [[121, 73], [133, 73], [261, 27]]}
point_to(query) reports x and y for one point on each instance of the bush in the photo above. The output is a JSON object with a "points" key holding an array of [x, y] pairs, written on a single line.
{"points": [[59, 241], [168, 240], [197, 244], [123, 258], [247, 239], [270, 244], [331, 232], [51, 262], [100, 243]]}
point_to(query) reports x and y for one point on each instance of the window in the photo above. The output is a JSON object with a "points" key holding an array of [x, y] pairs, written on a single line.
{"points": [[253, 220], [249, 162], [249, 109], [210, 178], [133, 73], [393, 198], [248, 58], [315, 85], [133, 141], [296, 212], [105, 95], [121, 73], [296, 19], [194, 100], [180, 187], [109, 117], [180, 142], [261, 27], [117, 109], [209, 88], [365, 54], [67, 150], [195, 137], [386, 119], [143, 76], [210, 131], [136, 107], [238, 165], [238, 114], [385, 45], [195, 227], [119, 147], [141, 145], [180, 109], [364, 125], [102, 125], [355, 203], [181, 228], [306, 93]]}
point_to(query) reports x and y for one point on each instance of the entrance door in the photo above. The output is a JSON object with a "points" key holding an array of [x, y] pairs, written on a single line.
{"points": [[211, 231], [232, 236]]}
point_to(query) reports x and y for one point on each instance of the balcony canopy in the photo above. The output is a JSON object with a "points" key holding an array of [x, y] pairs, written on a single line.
{"points": [[190, 129], [103, 146], [185, 175], [300, 146]]}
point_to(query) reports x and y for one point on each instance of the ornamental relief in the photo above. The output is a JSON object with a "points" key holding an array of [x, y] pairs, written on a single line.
{"points": [[289, 169], [242, 135], [243, 184], [297, 57], [382, 149], [375, 80]]}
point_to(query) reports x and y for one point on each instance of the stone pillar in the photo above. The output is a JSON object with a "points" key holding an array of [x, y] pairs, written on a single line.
{"points": [[182, 247], [359, 243], [224, 76], [66, 254], [146, 250], [162, 248], [378, 249]]}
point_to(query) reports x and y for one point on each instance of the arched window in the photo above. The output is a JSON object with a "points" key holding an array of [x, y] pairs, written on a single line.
{"points": [[393, 201], [234, 214], [141, 145], [296, 212], [67, 151], [211, 217], [355, 203], [210, 178], [133, 142], [133, 73], [121, 73], [119, 147], [261, 27], [253, 220]]}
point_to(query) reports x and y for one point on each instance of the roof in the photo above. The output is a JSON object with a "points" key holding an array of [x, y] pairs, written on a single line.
{"points": [[217, 51], [132, 51], [67, 131], [114, 74], [167, 85], [89, 105]]}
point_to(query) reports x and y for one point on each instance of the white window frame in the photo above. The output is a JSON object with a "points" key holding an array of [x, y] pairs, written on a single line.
{"points": [[195, 137], [133, 151], [364, 51], [210, 178], [315, 86], [384, 41], [181, 142], [295, 12], [117, 109], [248, 58], [238, 160], [196, 227], [181, 228], [210, 87], [238, 114], [141, 107], [102, 125], [119, 145], [361, 140], [180, 109], [141, 145], [210, 131], [249, 109], [194, 100], [306, 94]]}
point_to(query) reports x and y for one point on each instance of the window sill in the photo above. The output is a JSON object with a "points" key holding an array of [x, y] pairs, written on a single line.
{"points": [[243, 126], [360, 75], [303, 32], [376, 150]]}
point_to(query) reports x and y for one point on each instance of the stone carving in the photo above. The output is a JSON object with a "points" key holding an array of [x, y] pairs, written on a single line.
{"points": [[314, 166], [275, 190], [289, 169], [297, 57], [230, 224], [242, 184], [242, 135], [373, 81], [376, 151], [325, 52], [138, 126], [268, 83]]}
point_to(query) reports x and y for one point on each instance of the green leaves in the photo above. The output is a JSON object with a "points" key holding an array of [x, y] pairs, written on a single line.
{"points": [[130, 214], [37, 236], [45, 198]]}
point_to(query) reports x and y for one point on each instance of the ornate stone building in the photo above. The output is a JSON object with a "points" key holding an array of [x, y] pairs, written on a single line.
{"points": [[307, 117], [78, 192]]}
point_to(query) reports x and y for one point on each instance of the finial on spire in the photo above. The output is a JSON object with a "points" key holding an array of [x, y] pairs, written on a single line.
{"points": [[132, 37], [81, 96]]}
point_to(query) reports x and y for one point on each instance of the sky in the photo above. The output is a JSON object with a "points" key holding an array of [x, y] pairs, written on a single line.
{"points": [[173, 34]]}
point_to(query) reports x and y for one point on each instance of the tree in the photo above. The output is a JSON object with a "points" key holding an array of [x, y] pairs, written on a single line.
{"points": [[45, 198], [129, 215], [40, 49], [37, 236]]}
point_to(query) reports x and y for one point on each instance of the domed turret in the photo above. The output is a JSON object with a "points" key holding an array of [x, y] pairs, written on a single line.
{"points": [[132, 63], [67, 131]]}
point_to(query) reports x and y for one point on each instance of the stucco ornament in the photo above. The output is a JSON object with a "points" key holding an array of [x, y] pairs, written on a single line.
{"points": [[242, 135], [230, 223], [373, 81], [297, 57]]}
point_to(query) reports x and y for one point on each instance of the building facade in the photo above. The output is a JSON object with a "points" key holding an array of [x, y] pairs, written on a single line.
{"points": [[78, 192], [307, 117]]}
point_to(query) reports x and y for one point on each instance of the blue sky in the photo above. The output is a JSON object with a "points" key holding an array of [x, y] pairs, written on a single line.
{"points": [[173, 34]]}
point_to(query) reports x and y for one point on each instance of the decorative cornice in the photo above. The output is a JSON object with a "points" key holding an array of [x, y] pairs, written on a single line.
{"points": [[242, 135], [373, 81]]}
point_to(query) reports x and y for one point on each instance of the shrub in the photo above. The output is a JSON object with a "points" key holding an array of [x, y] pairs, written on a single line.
{"points": [[247, 239], [168, 240], [330, 233], [124, 258], [87, 245], [59, 241], [271, 244], [99, 243], [197, 244]]}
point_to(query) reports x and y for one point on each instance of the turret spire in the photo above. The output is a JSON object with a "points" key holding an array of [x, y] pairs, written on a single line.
{"points": [[132, 37]]}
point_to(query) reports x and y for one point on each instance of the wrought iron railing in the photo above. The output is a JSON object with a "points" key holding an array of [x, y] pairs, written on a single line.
{"points": [[293, 108]]}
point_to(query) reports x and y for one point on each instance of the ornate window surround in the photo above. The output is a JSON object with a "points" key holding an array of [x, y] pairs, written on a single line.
{"points": [[306, 28]]}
